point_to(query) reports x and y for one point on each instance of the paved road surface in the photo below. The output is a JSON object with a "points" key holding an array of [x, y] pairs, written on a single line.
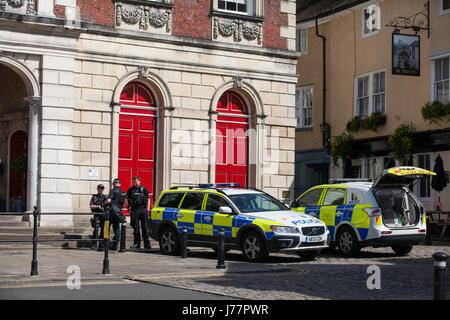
{"points": [[114, 290]]}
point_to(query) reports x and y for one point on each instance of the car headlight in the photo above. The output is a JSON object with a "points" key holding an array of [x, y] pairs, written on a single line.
{"points": [[284, 229]]}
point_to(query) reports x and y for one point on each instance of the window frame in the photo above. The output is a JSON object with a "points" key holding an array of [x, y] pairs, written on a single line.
{"points": [[433, 76], [363, 22], [170, 193], [249, 3], [300, 109], [218, 195], [319, 201], [324, 195], [429, 199], [443, 11], [192, 192], [298, 46], [370, 92]]}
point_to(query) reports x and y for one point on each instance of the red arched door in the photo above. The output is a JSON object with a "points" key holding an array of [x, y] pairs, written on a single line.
{"points": [[18, 151], [232, 139], [137, 136]]}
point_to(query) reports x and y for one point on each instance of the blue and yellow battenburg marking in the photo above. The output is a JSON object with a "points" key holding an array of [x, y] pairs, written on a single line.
{"points": [[209, 223], [333, 216]]}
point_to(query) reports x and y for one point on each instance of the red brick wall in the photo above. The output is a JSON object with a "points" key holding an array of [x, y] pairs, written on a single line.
{"points": [[191, 18], [271, 26], [97, 11]]}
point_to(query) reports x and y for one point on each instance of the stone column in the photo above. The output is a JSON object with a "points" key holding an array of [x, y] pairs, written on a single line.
{"points": [[212, 147], [34, 104], [115, 139], [259, 140]]}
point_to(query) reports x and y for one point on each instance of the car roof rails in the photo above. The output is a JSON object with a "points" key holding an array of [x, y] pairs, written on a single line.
{"points": [[344, 180]]}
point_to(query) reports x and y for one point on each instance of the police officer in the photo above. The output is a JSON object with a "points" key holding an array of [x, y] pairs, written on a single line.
{"points": [[138, 206], [97, 222], [113, 205]]}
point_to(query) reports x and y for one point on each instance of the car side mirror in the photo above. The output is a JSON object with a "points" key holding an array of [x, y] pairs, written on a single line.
{"points": [[225, 210]]}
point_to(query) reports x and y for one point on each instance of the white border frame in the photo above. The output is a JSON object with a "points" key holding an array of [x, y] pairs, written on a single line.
{"points": [[441, 10], [433, 73], [313, 104], [355, 91], [377, 31]]}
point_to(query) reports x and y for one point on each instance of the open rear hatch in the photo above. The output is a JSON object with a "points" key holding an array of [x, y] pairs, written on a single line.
{"points": [[399, 207]]}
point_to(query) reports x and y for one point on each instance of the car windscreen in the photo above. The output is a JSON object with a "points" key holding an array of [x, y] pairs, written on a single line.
{"points": [[256, 202]]}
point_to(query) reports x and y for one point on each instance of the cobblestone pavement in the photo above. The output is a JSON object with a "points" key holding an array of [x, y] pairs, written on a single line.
{"points": [[329, 277]]}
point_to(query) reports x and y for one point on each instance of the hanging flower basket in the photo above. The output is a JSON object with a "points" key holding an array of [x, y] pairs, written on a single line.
{"points": [[401, 141]]}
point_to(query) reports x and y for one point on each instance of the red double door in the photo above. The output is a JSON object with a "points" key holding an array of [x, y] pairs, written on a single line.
{"points": [[232, 140], [137, 137]]}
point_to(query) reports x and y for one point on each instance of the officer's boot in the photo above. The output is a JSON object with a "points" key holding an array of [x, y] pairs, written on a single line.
{"points": [[147, 244], [136, 246]]}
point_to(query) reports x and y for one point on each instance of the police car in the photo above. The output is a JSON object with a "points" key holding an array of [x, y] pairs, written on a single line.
{"points": [[362, 213], [254, 222]]}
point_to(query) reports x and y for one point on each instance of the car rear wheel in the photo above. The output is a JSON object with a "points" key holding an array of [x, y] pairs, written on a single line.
{"points": [[347, 242], [402, 250], [169, 242], [308, 255], [253, 247]]}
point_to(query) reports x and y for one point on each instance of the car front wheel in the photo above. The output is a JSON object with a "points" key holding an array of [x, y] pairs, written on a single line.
{"points": [[253, 247]]}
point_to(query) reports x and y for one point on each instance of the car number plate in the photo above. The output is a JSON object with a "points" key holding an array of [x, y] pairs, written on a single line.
{"points": [[313, 239]]}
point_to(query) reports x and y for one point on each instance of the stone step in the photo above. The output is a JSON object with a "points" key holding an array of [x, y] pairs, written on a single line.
{"points": [[22, 224]]}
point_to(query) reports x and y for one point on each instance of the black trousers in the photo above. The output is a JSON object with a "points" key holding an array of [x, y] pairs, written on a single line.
{"points": [[116, 220], [98, 223], [140, 217]]}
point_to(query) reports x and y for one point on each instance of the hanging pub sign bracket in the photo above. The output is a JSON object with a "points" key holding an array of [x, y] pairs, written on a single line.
{"points": [[419, 21]]}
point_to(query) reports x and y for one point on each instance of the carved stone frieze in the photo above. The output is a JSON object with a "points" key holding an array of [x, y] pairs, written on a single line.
{"points": [[237, 30], [18, 6], [131, 16]]}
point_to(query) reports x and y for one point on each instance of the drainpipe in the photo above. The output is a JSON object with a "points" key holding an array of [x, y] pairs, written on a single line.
{"points": [[324, 127]]}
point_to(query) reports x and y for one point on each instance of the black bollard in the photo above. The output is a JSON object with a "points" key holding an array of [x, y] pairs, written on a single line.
{"points": [[106, 244], [440, 262], [123, 236], [221, 250], [34, 263], [184, 251]]}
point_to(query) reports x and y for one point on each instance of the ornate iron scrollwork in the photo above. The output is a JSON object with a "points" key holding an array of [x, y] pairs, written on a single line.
{"points": [[417, 22]]}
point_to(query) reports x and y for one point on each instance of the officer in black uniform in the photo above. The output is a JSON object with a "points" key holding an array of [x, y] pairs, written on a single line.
{"points": [[98, 221], [138, 206], [113, 205]]}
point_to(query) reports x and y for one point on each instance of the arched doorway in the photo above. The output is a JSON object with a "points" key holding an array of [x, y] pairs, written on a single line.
{"points": [[18, 152], [232, 143], [138, 136]]}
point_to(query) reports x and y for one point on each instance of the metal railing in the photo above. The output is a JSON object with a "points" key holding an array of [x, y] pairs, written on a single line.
{"points": [[35, 239]]}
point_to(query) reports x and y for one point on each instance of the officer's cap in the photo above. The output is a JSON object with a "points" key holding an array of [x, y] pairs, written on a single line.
{"points": [[100, 186], [116, 181]]}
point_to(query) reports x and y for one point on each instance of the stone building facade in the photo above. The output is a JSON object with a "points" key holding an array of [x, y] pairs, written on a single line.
{"points": [[137, 87]]}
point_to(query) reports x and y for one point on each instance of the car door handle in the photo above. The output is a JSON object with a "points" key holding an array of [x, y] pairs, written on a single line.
{"points": [[207, 218], [180, 215]]}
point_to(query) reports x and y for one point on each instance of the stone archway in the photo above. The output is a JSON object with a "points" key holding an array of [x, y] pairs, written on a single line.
{"points": [[19, 110], [255, 131], [164, 123]]}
